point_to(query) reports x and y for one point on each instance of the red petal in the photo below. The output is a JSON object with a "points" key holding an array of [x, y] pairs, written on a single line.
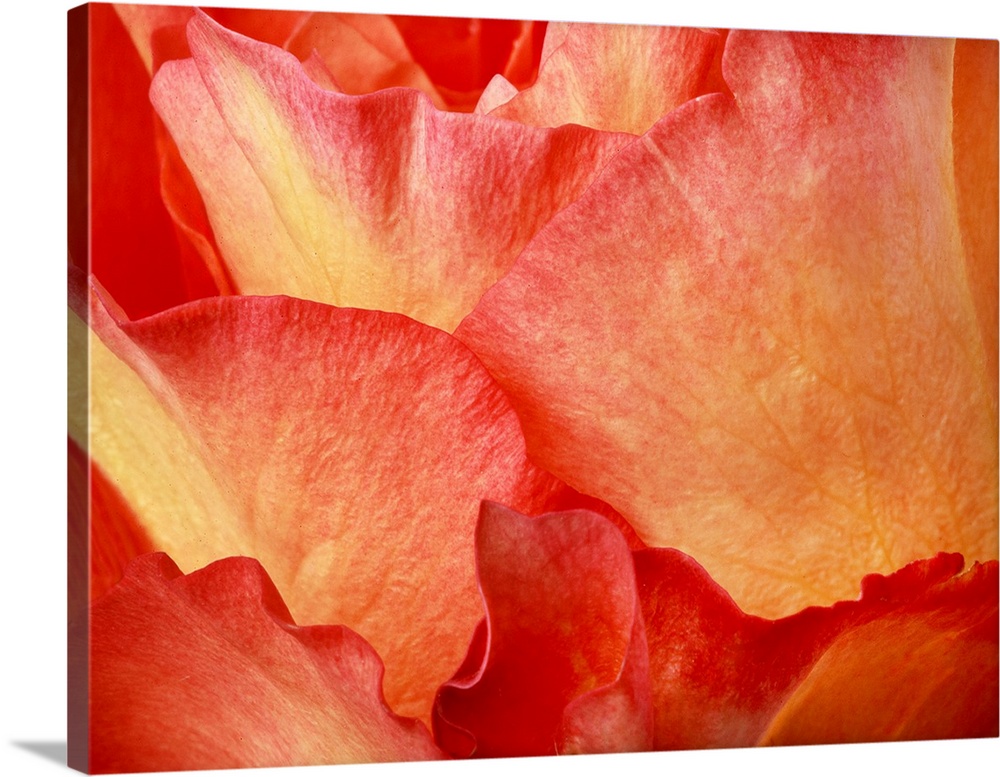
{"points": [[360, 208], [620, 78], [347, 450], [561, 663], [209, 671], [720, 676], [134, 248], [753, 334], [462, 55], [102, 522]]}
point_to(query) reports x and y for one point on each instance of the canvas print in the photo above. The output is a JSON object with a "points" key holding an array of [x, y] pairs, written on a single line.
{"points": [[458, 388]]}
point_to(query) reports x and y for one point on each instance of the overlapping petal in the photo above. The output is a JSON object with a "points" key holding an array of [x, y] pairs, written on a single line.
{"points": [[379, 201], [346, 450], [209, 670], [754, 336], [723, 678], [462, 55], [133, 244], [560, 664], [763, 331], [590, 648], [590, 74], [926, 670]]}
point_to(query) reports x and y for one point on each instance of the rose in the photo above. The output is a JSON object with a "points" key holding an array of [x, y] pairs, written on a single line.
{"points": [[161, 371]]}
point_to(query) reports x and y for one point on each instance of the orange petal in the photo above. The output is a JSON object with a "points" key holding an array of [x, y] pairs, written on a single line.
{"points": [[976, 137], [560, 665], [721, 678], [753, 335], [620, 78], [361, 52], [347, 450], [926, 672], [208, 671], [378, 201]]}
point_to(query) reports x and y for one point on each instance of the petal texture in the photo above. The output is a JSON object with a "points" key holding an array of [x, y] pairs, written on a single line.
{"points": [[380, 201], [753, 335], [926, 671], [976, 138], [722, 678], [208, 670], [620, 78], [347, 450], [560, 663]]}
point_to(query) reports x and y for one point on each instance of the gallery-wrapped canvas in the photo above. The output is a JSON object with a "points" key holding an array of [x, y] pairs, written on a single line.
{"points": [[449, 388]]}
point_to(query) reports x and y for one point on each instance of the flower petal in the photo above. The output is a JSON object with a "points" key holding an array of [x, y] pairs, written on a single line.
{"points": [[721, 678], [347, 450], [928, 671], [133, 245], [976, 137], [209, 671], [360, 207], [615, 77], [462, 55], [101, 522], [560, 665], [753, 334], [361, 52]]}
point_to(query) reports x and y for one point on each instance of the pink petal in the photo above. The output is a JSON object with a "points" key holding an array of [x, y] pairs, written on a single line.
{"points": [[560, 662], [360, 208], [348, 450], [753, 335], [620, 78], [208, 670]]}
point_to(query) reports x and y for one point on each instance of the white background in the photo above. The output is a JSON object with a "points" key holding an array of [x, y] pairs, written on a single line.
{"points": [[33, 544]]}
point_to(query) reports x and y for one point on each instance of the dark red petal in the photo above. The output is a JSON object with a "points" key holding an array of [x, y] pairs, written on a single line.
{"points": [[209, 671], [560, 664]]}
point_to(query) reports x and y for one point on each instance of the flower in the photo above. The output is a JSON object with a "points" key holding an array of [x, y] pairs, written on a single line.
{"points": [[622, 411]]}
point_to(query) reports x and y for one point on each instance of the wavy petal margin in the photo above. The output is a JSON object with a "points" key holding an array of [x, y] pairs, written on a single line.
{"points": [[560, 664], [588, 648], [379, 201], [208, 670], [594, 75], [347, 450]]}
